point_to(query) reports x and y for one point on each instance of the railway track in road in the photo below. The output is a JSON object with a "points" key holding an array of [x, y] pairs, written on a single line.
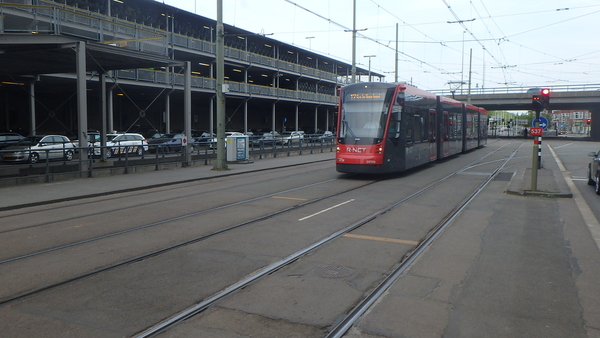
{"points": [[168, 248], [343, 325], [250, 278], [356, 312]]}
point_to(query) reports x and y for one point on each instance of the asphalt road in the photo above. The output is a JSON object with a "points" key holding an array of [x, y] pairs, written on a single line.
{"points": [[508, 265]]}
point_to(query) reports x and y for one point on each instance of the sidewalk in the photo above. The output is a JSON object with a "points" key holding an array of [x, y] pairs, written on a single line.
{"points": [[20, 196], [550, 180]]}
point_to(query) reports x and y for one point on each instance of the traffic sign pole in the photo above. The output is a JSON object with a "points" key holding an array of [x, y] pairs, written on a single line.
{"points": [[536, 157]]}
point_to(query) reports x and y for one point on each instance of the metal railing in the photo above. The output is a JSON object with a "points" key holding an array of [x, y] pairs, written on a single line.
{"points": [[56, 18], [127, 157], [520, 90]]}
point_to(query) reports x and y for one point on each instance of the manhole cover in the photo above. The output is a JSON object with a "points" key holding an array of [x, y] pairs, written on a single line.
{"points": [[331, 271], [503, 177]]}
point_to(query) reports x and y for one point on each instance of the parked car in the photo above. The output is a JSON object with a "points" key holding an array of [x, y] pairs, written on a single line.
{"points": [[204, 138], [213, 141], [34, 148], [127, 143], [270, 138], [156, 140], [593, 172], [9, 139], [165, 143], [320, 136], [291, 137]]}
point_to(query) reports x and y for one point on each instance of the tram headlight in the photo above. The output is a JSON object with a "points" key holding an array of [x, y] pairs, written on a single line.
{"points": [[379, 150], [337, 149]]}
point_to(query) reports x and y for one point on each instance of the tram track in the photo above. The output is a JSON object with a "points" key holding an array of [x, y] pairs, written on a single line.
{"points": [[172, 247], [356, 312], [363, 304], [260, 273], [93, 200]]}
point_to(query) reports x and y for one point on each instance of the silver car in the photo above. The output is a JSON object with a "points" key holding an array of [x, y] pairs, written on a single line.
{"points": [[35, 148]]}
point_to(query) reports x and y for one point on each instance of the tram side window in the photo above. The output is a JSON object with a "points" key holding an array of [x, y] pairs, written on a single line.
{"points": [[409, 128], [445, 126], [419, 126]]}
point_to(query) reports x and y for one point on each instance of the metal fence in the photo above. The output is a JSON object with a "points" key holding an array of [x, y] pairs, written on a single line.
{"points": [[126, 159]]}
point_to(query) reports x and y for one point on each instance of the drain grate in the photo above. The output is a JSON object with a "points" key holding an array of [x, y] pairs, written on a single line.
{"points": [[332, 271], [504, 176]]}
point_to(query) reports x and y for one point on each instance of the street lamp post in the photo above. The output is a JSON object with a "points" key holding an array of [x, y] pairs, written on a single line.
{"points": [[370, 56], [309, 38]]}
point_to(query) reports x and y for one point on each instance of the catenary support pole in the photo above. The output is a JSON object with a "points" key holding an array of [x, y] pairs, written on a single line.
{"points": [[221, 162]]}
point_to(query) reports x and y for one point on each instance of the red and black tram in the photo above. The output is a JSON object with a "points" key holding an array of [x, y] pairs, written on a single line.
{"points": [[391, 127]]}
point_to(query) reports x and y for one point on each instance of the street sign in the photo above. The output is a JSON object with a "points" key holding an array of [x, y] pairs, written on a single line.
{"points": [[543, 122], [536, 131]]}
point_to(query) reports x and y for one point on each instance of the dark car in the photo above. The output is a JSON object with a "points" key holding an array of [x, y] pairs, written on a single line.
{"points": [[9, 139], [165, 142], [270, 138], [594, 172], [320, 136]]}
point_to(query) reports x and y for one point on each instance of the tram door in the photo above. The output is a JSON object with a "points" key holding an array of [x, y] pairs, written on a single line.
{"points": [[432, 135], [445, 134]]}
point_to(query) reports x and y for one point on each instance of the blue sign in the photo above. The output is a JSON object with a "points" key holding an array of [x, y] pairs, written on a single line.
{"points": [[240, 148], [543, 122]]}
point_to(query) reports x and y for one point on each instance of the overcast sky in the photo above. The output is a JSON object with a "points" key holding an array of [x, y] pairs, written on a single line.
{"points": [[514, 42]]}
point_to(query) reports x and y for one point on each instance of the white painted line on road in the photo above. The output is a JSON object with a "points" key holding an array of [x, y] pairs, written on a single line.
{"points": [[322, 211], [584, 209]]}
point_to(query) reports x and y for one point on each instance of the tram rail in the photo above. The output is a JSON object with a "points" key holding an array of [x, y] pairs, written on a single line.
{"points": [[340, 328], [258, 274]]}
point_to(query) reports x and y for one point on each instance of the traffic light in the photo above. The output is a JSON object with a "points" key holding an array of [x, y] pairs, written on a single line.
{"points": [[536, 103], [545, 97], [588, 121]]}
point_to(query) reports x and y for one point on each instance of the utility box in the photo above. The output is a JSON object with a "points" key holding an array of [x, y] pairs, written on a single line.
{"points": [[237, 148]]}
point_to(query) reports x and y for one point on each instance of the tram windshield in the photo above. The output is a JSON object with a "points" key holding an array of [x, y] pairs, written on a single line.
{"points": [[364, 111]]}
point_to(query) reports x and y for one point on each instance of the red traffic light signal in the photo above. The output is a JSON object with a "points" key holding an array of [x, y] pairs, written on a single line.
{"points": [[536, 103], [588, 121], [545, 97]]}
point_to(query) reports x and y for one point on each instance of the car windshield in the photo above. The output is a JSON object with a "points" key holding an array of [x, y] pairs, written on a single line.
{"points": [[8, 137], [32, 139], [160, 136], [364, 110], [110, 137]]}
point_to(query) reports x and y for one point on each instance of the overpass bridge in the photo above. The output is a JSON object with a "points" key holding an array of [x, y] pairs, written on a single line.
{"points": [[564, 97]]}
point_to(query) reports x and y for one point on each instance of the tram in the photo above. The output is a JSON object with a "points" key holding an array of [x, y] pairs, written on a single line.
{"points": [[391, 127]]}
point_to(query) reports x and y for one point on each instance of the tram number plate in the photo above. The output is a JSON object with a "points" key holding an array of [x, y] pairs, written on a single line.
{"points": [[535, 131]]}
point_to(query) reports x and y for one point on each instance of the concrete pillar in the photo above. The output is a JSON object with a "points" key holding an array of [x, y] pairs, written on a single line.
{"points": [[81, 101], [245, 116], [211, 121], [296, 119], [187, 110], [168, 112], [316, 119], [103, 100], [110, 125], [273, 117], [32, 123]]}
